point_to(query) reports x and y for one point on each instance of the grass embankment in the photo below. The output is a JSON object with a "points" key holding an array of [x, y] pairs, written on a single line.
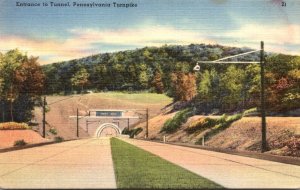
{"points": [[215, 125], [142, 97], [136, 168]]}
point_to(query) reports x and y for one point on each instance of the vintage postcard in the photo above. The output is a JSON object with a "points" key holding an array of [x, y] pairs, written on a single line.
{"points": [[155, 94]]}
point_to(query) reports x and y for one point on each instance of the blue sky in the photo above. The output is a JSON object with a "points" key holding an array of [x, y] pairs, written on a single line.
{"points": [[63, 33]]}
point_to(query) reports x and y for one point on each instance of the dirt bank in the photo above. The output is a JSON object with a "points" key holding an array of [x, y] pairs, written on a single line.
{"points": [[8, 137], [283, 134]]}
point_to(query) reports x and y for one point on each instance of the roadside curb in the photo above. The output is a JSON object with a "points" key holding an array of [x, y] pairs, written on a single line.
{"points": [[257, 155], [10, 149]]}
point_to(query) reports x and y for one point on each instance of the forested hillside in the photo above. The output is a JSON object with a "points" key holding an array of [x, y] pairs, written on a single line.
{"points": [[169, 69]]}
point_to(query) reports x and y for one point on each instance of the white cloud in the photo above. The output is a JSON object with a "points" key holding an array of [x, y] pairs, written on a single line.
{"points": [[83, 42], [276, 37], [58, 51], [149, 36]]}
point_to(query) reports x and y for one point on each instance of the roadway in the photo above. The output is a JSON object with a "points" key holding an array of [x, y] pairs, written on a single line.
{"points": [[77, 164], [230, 171], [87, 163]]}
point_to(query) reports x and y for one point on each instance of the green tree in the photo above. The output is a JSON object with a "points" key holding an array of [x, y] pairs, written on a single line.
{"points": [[147, 55], [30, 84], [10, 62], [208, 89], [143, 77], [232, 86], [182, 67], [30, 78], [252, 85], [22, 83], [80, 78], [100, 76]]}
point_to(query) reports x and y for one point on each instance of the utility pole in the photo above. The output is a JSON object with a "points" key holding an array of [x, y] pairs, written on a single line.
{"points": [[87, 127], [147, 122], [44, 117], [77, 124], [128, 124], [3, 113], [11, 103], [262, 99]]}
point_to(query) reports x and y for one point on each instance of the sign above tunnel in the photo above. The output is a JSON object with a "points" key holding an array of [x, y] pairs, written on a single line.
{"points": [[109, 113]]}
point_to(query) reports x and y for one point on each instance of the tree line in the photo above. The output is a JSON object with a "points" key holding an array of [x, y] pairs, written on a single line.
{"points": [[169, 70], [238, 87], [132, 69], [166, 69]]}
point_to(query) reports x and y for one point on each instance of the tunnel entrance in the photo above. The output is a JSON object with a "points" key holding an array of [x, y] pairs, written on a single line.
{"points": [[108, 130]]}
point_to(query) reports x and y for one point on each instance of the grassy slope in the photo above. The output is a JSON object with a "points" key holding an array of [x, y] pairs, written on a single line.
{"points": [[245, 134], [283, 134], [136, 168], [65, 106], [140, 98]]}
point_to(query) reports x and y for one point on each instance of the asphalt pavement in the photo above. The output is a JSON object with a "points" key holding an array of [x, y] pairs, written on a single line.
{"points": [[72, 165], [87, 164], [230, 171]]}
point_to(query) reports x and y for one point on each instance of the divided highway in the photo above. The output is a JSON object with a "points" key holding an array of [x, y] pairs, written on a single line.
{"points": [[88, 164]]}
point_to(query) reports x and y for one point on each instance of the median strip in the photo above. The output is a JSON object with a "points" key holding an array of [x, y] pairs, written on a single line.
{"points": [[136, 168]]}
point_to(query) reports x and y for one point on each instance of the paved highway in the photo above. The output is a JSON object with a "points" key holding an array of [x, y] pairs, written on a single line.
{"points": [[230, 171], [88, 164], [73, 164]]}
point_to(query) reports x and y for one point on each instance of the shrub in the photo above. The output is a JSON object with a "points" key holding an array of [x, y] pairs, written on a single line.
{"points": [[217, 125], [19, 143], [136, 131], [250, 111], [210, 122], [195, 125], [171, 125], [233, 118], [293, 145], [58, 139], [53, 131], [221, 119], [223, 123], [125, 131], [132, 132], [201, 124], [13, 126]]}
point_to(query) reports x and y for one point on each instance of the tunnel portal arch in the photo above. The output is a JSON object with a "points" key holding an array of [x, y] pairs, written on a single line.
{"points": [[108, 129]]}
